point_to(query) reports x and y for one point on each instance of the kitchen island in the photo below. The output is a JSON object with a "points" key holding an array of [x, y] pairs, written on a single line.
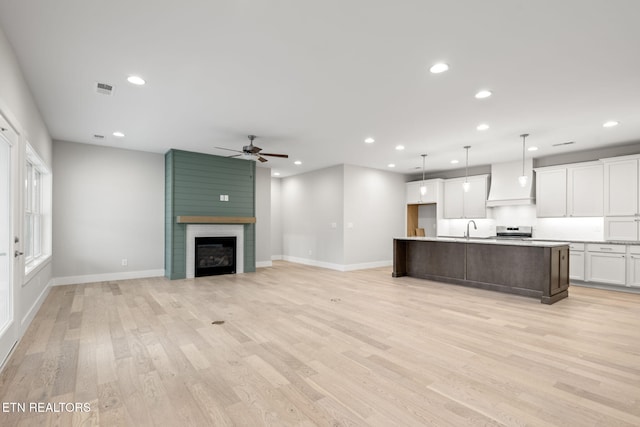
{"points": [[531, 268]]}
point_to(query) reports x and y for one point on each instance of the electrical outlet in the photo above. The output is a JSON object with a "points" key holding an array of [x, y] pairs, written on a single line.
{"points": [[124, 262]]}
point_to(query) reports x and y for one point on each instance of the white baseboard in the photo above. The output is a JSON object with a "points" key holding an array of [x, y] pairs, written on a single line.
{"points": [[339, 267], [107, 277], [366, 265], [260, 264], [33, 310], [276, 258]]}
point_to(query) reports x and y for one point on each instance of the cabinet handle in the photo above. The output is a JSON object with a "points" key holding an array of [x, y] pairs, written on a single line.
{"points": [[606, 249]]}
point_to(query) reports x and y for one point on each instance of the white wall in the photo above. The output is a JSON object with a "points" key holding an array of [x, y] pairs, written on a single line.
{"points": [[373, 215], [19, 108], [108, 205], [276, 218], [311, 204], [263, 217]]}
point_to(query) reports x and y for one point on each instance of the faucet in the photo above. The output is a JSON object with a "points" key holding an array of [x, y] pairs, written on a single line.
{"points": [[475, 227]]}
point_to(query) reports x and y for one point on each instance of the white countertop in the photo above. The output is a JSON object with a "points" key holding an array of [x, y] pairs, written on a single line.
{"points": [[489, 241]]}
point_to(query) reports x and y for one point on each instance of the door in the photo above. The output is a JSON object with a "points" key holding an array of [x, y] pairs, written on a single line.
{"points": [[585, 195], [551, 193], [475, 200], [621, 228], [621, 188], [607, 268], [453, 198], [8, 325], [576, 265], [633, 267]]}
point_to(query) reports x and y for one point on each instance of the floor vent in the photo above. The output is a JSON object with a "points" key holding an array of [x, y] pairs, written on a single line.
{"points": [[104, 88]]}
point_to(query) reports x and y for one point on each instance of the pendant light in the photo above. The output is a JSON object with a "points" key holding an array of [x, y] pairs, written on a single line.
{"points": [[465, 185], [423, 187], [522, 179]]}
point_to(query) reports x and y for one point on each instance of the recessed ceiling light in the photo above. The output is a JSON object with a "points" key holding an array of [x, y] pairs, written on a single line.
{"points": [[369, 140], [440, 67], [391, 165], [136, 80], [276, 174], [482, 126], [297, 162], [399, 147], [483, 94], [534, 148], [610, 124], [454, 161], [118, 134]]}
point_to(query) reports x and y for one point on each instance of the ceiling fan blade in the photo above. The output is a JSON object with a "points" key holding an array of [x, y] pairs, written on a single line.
{"points": [[262, 159], [228, 149], [284, 156]]}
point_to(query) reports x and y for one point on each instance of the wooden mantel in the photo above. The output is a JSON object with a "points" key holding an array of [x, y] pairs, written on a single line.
{"points": [[215, 219]]}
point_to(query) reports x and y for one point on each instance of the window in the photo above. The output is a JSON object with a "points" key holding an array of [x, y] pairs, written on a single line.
{"points": [[37, 211], [33, 213]]}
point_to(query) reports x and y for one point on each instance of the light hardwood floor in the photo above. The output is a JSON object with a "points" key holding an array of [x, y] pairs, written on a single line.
{"points": [[307, 346]]}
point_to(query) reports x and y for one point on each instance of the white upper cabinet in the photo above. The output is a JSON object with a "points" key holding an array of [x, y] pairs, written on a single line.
{"points": [[461, 204], [621, 228], [621, 187], [551, 192], [414, 196], [574, 190], [585, 190], [453, 199]]}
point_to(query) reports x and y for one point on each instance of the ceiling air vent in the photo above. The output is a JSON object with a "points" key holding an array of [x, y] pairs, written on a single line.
{"points": [[104, 88], [96, 136], [563, 143]]}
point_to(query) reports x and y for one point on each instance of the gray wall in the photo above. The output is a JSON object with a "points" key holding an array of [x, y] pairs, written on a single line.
{"points": [[263, 217], [108, 204], [373, 214], [19, 108], [311, 203], [276, 218], [341, 217]]}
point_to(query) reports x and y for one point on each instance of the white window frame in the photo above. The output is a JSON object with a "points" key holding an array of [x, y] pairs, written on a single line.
{"points": [[37, 211]]}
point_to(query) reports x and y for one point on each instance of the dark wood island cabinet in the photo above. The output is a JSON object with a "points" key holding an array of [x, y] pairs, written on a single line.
{"points": [[529, 268]]}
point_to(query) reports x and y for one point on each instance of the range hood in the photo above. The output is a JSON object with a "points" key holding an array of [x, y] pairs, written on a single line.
{"points": [[505, 188]]}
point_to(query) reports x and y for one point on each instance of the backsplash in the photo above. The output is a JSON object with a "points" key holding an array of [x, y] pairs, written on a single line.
{"points": [[543, 228]]}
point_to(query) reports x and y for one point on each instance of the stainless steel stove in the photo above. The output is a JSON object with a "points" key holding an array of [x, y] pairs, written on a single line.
{"points": [[514, 232]]}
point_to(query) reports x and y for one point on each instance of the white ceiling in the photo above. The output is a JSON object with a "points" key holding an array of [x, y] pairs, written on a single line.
{"points": [[315, 78]]}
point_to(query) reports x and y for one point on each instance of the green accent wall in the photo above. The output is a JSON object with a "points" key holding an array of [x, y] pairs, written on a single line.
{"points": [[193, 185]]}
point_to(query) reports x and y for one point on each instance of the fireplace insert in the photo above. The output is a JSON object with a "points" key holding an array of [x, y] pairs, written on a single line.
{"points": [[215, 255]]}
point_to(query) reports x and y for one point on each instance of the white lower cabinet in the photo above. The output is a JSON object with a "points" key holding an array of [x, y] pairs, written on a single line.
{"points": [[633, 266], [576, 261], [606, 264]]}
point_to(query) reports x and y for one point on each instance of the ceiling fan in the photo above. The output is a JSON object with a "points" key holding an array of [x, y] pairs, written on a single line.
{"points": [[253, 151]]}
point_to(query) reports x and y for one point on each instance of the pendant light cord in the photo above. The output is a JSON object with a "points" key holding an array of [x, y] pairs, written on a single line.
{"points": [[466, 168], [524, 135]]}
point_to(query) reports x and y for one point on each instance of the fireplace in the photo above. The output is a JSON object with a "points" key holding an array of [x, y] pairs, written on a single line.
{"points": [[214, 255]]}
